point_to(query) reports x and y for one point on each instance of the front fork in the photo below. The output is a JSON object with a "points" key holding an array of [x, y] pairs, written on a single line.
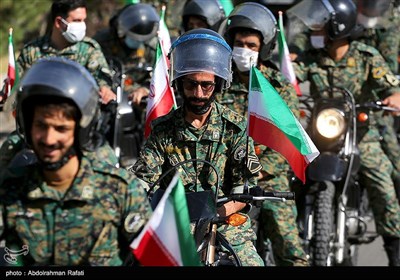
{"points": [[341, 229]]}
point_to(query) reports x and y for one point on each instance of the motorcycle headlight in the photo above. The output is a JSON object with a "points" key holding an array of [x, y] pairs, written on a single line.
{"points": [[330, 123]]}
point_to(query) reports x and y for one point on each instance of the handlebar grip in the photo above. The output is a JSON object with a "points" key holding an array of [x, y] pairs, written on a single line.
{"points": [[285, 195]]}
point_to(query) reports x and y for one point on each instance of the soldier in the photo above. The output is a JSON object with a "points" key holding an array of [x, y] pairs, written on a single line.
{"points": [[67, 210], [363, 71], [202, 14], [66, 39], [131, 38], [251, 31], [203, 129]]}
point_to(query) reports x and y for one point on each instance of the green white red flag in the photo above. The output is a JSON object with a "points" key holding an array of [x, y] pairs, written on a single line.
{"points": [[272, 123], [12, 77], [284, 59], [166, 239], [161, 97]]}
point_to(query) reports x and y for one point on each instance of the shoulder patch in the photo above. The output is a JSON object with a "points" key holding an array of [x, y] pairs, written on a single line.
{"points": [[239, 153], [378, 72]]}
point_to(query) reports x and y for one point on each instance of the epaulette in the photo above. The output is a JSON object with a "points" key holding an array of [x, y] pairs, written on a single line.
{"points": [[365, 48], [231, 116], [91, 42], [108, 169]]}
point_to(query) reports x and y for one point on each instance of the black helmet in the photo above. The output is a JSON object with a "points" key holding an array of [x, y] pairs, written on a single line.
{"points": [[60, 77], [210, 10], [253, 16], [138, 21], [338, 16], [201, 50]]}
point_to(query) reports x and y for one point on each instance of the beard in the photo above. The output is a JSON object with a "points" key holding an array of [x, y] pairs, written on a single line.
{"points": [[198, 109]]}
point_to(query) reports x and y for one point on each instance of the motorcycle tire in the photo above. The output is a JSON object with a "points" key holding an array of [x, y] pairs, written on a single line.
{"points": [[323, 225]]}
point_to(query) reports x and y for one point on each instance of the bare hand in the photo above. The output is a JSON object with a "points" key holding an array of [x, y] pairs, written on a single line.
{"points": [[137, 95], [107, 95], [393, 101], [230, 207]]}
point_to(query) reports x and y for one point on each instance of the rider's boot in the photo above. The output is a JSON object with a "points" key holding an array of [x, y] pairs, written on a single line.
{"points": [[392, 248]]}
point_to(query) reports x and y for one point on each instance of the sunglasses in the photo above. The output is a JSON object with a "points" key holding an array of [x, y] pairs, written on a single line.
{"points": [[206, 86]]}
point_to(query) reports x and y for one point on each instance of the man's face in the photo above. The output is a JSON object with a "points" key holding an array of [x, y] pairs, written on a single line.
{"points": [[198, 89], [77, 15], [250, 41], [52, 134], [196, 22]]}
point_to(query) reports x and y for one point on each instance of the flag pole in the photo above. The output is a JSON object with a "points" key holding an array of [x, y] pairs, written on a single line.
{"points": [[10, 30]]}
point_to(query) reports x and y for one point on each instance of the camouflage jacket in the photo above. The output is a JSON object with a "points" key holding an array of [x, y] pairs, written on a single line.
{"points": [[222, 142], [93, 223], [362, 70], [86, 52], [386, 41], [236, 98]]}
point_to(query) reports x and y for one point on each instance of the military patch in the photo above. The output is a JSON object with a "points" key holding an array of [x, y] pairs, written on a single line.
{"points": [[93, 64], [351, 62], [392, 80], [239, 153], [87, 192], [133, 222], [35, 193], [378, 72], [215, 135], [253, 164]]}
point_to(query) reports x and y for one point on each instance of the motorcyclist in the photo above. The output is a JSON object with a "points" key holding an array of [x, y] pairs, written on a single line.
{"points": [[85, 206], [251, 30], [202, 14], [204, 129], [132, 39], [362, 70]]}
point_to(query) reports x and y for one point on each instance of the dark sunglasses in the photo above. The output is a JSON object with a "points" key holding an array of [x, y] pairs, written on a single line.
{"points": [[206, 86]]}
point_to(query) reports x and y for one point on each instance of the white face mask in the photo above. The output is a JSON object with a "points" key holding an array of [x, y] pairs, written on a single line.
{"points": [[242, 56], [75, 31], [317, 41], [367, 22]]}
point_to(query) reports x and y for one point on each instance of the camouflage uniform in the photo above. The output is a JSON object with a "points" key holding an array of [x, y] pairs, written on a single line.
{"points": [[222, 142], [279, 219], [86, 52], [386, 41], [364, 72], [93, 223]]}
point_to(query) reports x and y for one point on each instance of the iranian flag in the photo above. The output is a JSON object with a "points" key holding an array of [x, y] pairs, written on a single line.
{"points": [[161, 98], [12, 77], [284, 59], [166, 239], [273, 124]]}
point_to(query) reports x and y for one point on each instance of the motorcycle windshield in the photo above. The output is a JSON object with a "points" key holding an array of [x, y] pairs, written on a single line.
{"points": [[314, 14]]}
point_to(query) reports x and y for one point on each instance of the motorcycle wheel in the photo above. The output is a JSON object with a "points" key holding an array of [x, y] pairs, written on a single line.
{"points": [[323, 225]]}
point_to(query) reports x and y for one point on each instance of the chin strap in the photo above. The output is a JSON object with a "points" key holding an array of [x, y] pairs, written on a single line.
{"points": [[57, 165]]}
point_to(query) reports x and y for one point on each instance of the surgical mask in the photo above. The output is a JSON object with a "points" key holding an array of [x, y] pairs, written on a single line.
{"points": [[242, 56], [75, 31], [317, 41], [131, 43], [367, 22]]}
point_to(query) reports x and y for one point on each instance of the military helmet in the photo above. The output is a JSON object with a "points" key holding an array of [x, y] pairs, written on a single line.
{"points": [[253, 16], [201, 50], [63, 78], [209, 10], [138, 21], [338, 16]]}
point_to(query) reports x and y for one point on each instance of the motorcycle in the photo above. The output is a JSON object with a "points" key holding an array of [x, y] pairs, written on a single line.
{"points": [[126, 121], [213, 248], [332, 205]]}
